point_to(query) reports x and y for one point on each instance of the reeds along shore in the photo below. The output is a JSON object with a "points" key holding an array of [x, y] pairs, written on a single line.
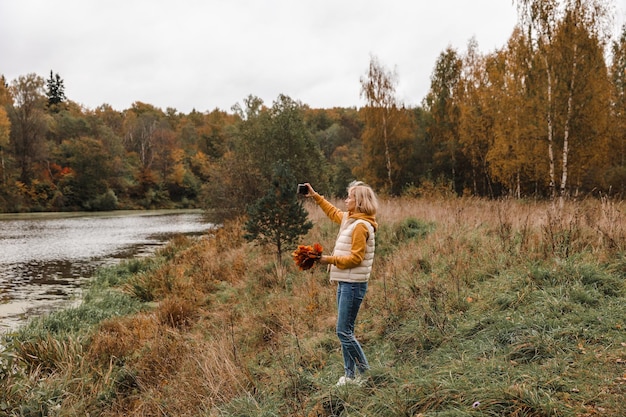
{"points": [[475, 307]]}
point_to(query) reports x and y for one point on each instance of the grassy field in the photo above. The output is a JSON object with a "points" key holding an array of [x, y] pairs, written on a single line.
{"points": [[475, 308]]}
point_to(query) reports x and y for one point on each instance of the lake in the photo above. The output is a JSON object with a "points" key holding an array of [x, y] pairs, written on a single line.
{"points": [[45, 258]]}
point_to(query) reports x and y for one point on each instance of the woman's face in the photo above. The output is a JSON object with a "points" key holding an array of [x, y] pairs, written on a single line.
{"points": [[350, 201]]}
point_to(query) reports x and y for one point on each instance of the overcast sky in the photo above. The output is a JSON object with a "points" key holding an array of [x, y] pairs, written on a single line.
{"points": [[207, 54]]}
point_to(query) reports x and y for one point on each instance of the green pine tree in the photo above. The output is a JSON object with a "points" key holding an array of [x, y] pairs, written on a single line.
{"points": [[278, 219], [55, 91]]}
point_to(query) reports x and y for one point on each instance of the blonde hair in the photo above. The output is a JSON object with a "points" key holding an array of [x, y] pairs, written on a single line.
{"points": [[364, 197]]}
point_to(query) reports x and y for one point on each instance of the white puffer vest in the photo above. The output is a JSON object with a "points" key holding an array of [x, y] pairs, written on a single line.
{"points": [[343, 246]]}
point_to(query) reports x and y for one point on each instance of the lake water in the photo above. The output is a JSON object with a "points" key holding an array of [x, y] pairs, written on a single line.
{"points": [[45, 258]]}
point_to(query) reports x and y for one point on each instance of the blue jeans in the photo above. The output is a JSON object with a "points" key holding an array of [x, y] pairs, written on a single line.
{"points": [[349, 298]]}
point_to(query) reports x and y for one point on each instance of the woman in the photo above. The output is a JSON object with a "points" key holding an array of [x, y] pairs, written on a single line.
{"points": [[350, 266]]}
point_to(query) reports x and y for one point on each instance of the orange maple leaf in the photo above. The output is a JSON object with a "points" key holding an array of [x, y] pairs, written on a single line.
{"points": [[306, 256]]}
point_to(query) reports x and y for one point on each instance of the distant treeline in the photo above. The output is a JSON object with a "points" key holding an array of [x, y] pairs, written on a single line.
{"points": [[544, 116]]}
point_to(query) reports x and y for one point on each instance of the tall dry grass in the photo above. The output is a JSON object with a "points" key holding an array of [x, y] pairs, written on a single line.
{"points": [[451, 316]]}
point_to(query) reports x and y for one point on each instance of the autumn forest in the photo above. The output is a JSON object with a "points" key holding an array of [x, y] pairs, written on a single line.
{"points": [[544, 116]]}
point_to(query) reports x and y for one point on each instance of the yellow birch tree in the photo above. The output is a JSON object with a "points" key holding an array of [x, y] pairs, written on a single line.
{"points": [[542, 21], [387, 133]]}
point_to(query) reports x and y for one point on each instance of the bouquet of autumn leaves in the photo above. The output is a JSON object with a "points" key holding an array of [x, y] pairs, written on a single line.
{"points": [[307, 255]]}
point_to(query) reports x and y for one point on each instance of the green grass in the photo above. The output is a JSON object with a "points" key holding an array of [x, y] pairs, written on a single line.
{"points": [[465, 316]]}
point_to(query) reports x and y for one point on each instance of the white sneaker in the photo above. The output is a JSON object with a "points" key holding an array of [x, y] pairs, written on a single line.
{"points": [[344, 380]]}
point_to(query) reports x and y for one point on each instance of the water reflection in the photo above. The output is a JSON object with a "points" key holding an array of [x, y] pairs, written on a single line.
{"points": [[45, 258]]}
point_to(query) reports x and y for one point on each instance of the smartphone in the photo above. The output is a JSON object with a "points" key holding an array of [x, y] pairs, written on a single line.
{"points": [[303, 189]]}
